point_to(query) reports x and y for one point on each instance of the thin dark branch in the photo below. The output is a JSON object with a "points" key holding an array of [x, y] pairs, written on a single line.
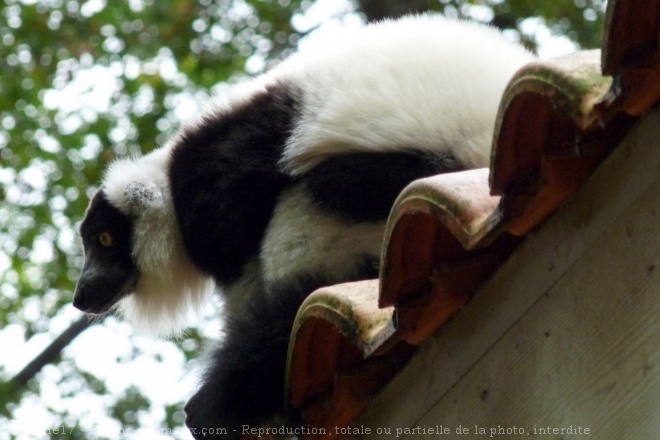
{"points": [[51, 353]]}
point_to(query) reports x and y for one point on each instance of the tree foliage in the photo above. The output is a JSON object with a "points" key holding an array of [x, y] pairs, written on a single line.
{"points": [[84, 82]]}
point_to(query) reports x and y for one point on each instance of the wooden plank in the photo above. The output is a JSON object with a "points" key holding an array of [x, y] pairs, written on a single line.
{"points": [[539, 264], [586, 354]]}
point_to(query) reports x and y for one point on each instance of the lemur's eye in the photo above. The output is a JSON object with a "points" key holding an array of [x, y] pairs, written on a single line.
{"points": [[105, 238]]}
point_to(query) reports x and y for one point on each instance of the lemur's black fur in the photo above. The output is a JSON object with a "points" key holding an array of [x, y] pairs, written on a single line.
{"points": [[234, 191], [234, 200]]}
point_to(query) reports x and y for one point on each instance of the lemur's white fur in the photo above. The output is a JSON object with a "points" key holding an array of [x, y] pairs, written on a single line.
{"points": [[301, 238], [425, 83], [170, 286]]}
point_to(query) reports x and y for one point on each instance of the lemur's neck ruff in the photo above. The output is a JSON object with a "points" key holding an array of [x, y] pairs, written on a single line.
{"points": [[170, 286]]}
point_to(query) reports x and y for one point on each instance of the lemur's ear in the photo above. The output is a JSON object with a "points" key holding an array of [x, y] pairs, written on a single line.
{"points": [[141, 196]]}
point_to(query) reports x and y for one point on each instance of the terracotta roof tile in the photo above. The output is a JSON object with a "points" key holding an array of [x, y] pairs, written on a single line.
{"points": [[548, 139], [631, 54], [337, 327], [630, 33], [443, 240]]}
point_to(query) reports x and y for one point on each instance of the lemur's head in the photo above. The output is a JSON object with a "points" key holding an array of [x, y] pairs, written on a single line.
{"points": [[134, 257], [110, 271]]}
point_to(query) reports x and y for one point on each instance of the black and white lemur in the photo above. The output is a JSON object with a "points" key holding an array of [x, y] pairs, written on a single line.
{"points": [[283, 185]]}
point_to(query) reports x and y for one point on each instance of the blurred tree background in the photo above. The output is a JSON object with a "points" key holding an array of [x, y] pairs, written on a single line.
{"points": [[83, 82]]}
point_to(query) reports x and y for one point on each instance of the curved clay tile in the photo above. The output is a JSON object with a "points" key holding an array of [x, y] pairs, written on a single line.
{"points": [[443, 239], [336, 328], [630, 31], [631, 54], [548, 137]]}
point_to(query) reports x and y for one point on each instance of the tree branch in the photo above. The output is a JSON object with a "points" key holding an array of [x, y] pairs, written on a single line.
{"points": [[50, 353]]}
